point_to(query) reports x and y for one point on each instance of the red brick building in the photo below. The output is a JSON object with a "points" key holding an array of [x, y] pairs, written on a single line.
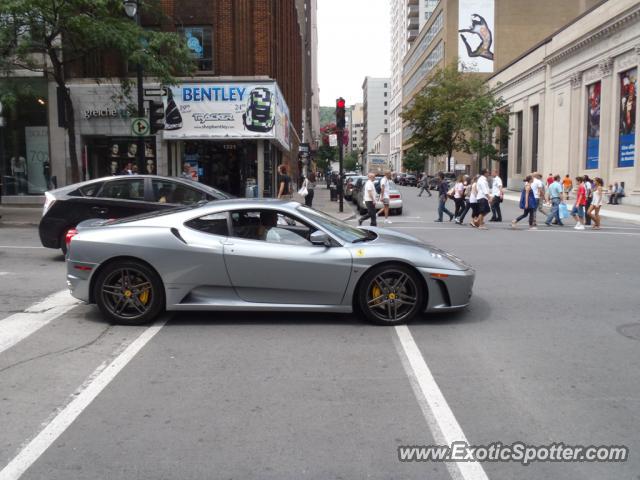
{"points": [[247, 51]]}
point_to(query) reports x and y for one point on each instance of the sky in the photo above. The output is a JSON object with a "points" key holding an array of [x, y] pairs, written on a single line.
{"points": [[353, 42]]}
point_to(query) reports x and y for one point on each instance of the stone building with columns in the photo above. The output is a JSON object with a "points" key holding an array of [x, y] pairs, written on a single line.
{"points": [[572, 101]]}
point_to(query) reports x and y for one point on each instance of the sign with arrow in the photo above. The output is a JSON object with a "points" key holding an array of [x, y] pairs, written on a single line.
{"points": [[140, 126]]}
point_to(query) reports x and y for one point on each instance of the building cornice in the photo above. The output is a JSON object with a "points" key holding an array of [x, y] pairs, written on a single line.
{"points": [[521, 78], [603, 32]]}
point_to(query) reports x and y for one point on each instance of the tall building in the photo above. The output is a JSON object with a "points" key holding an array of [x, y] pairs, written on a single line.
{"points": [[245, 111], [407, 18], [573, 101], [375, 111], [484, 36], [356, 128]]}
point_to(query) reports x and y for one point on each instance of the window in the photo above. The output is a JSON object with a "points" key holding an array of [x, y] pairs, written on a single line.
{"points": [[200, 43], [534, 138], [386, 130], [385, 85], [270, 226], [214, 224], [519, 142], [385, 94], [167, 191], [386, 121], [385, 112], [124, 189], [385, 103]]}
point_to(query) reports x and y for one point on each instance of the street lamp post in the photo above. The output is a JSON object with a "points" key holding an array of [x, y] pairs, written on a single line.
{"points": [[131, 8]]}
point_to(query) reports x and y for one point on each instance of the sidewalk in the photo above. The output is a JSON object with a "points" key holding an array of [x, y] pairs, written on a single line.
{"points": [[629, 213], [321, 202], [20, 216]]}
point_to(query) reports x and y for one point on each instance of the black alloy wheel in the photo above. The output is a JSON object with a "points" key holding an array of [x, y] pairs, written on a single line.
{"points": [[390, 295], [128, 292]]}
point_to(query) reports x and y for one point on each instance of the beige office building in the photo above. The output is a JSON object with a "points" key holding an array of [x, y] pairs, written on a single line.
{"points": [[573, 101], [485, 35]]}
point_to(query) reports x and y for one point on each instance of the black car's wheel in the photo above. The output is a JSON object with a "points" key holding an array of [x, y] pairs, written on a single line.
{"points": [[129, 292], [399, 211], [390, 295]]}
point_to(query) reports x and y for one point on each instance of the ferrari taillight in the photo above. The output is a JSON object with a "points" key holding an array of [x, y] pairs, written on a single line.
{"points": [[72, 232]]}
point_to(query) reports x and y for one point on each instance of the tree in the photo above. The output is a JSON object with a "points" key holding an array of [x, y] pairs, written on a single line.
{"points": [[486, 114], [65, 32], [413, 160], [450, 107], [350, 161]]}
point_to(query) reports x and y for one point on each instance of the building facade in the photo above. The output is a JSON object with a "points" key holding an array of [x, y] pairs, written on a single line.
{"points": [[375, 111], [573, 101], [247, 109], [356, 127], [484, 36]]}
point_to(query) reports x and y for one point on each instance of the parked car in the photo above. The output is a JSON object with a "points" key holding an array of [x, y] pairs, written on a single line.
{"points": [[115, 197], [350, 187], [223, 255], [395, 198]]}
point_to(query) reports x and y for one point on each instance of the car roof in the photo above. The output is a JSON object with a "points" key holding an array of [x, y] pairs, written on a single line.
{"points": [[190, 183]]}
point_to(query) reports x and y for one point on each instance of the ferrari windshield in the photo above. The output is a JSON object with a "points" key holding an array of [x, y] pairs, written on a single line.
{"points": [[340, 229]]}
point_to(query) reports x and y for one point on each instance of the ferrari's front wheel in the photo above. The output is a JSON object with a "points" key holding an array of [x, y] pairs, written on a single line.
{"points": [[129, 292], [390, 295]]}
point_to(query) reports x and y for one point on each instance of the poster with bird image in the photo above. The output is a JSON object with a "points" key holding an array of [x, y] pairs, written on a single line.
{"points": [[476, 39]]}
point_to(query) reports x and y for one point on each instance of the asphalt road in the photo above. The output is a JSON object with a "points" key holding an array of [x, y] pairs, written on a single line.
{"points": [[547, 352]]}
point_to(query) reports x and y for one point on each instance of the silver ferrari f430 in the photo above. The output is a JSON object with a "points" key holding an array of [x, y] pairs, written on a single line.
{"points": [[258, 255]]}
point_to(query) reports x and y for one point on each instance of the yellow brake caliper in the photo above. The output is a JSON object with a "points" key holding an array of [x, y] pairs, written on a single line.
{"points": [[144, 297], [376, 292]]}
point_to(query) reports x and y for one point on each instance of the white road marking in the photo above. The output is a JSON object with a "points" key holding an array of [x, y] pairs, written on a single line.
{"points": [[441, 420], [2, 274], [19, 326], [16, 246], [81, 399]]}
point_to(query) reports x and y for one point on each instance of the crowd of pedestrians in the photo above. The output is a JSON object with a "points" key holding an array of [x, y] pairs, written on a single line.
{"points": [[482, 197]]}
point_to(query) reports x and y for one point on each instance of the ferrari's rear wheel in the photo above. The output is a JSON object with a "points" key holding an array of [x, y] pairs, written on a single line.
{"points": [[390, 295], [129, 292]]}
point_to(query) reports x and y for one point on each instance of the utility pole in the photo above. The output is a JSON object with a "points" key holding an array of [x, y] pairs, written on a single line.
{"points": [[340, 124]]}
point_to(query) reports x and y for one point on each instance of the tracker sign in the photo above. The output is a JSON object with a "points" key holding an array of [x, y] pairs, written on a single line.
{"points": [[239, 110]]}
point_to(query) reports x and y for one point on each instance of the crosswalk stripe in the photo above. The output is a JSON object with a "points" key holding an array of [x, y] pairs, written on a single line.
{"points": [[19, 326]]}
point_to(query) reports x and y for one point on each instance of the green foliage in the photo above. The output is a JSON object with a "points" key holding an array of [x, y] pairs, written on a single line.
{"points": [[454, 112], [325, 152], [66, 31], [413, 160], [350, 161], [327, 115]]}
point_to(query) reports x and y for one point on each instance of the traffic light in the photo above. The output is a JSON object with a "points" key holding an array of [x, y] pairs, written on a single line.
{"points": [[340, 113], [156, 116]]}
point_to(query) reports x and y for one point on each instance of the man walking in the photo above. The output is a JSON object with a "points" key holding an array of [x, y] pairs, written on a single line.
{"points": [[497, 195], [555, 196], [424, 180], [538, 192], [443, 187], [369, 200], [384, 194], [588, 186], [482, 196]]}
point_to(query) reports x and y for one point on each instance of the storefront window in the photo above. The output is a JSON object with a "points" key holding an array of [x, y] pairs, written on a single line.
{"points": [[200, 43], [24, 142], [119, 155]]}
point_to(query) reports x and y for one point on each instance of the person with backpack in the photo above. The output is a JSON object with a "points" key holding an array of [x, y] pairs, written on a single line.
{"points": [[528, 204]]}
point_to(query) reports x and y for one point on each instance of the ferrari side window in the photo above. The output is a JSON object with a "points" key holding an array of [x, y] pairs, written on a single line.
{"points": [[214, 224]]}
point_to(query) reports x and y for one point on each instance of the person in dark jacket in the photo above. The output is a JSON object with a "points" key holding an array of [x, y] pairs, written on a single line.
{"points": [[443, 188]]}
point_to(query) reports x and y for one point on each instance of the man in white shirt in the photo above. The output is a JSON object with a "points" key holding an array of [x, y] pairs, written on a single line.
{"points": [[384, 194], [482, 187], [369, 195], [497, 194], [537, 186]]}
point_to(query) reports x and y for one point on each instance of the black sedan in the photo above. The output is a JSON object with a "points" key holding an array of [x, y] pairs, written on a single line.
{"points": [[115, 197]]}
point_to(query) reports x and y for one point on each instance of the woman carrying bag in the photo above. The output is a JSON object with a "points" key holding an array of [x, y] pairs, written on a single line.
{"points": [[528, 203], [307, 189]]}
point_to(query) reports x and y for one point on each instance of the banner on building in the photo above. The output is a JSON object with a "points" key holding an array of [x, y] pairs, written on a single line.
{"points": [[628, 104], [38, 168], [239, 110], [476, 41], [593, 125]]}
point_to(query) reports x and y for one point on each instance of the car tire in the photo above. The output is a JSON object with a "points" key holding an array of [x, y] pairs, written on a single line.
{"points": [[403, 291], [120, 298], [399, 211]]}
